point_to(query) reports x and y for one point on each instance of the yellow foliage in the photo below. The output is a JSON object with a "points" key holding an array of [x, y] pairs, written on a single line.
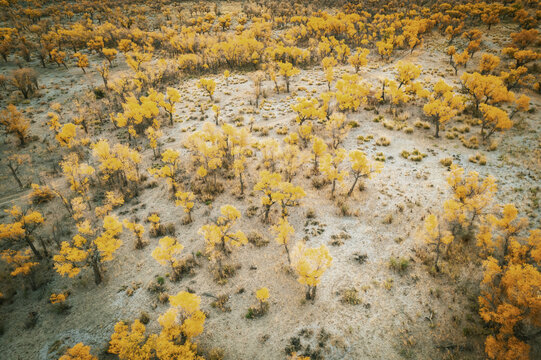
{"points": [[311, 264], [319, 148], [287, 70], [138, 230], [358, 58], [15, 123], [170, 169], [262, 294], [112, 200], [78, 352], [307, 109], [494, 119], [82, 61], [219, 235], [167, 251], [330, 167], [58, 298], [283, 232], [407, 72], [486, 89], [19, 261], [443, 105], [185, 199], [433, 235], [470, 196], [117, 164], [351, 92], [81, 252], [361, 167], [168, 102], [488, 63], [208, 85]]}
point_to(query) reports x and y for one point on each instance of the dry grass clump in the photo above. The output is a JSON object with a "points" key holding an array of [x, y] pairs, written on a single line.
{"points": [[446, 161], [478, 158], [383, 141], [415, 155], [351, 297], [257, 239]]}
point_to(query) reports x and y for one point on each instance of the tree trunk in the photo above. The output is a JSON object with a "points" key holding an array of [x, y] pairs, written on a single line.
{"points": [[267, 211], [288, 256], [34, 250], [437, 256], [353, 186], [483, 130], [22, 138], [45, 252], [98, 278], [308, 293], [241, 184], [311, 293], [32, 281], [14, 173]]}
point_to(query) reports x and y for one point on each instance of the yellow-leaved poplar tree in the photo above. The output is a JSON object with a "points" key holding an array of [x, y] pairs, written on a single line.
{"points": [[362, 167], [434, 235], [208, 85], [310, 265], [167, 254], [20, 264], [138, 231], [78, 352], [471, 196], [22, 226], [284, 231], [88, 250], [170, 169], [330, 166], [220, 237], [443, 105], [287, 70], [179, 325], [358, 58]]}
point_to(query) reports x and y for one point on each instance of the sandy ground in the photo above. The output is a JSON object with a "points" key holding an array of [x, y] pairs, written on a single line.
{"points": [[415, 317]]}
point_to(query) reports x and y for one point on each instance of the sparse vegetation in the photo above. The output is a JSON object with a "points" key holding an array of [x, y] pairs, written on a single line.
{"points": [[180, 179]]}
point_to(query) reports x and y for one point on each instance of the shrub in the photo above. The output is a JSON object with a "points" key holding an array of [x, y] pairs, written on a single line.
{"points": [[220, 303], [446, 161], [144, 318], [25, 80], [383, 141], [255, 238], [399, 265], [350, 296]]}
